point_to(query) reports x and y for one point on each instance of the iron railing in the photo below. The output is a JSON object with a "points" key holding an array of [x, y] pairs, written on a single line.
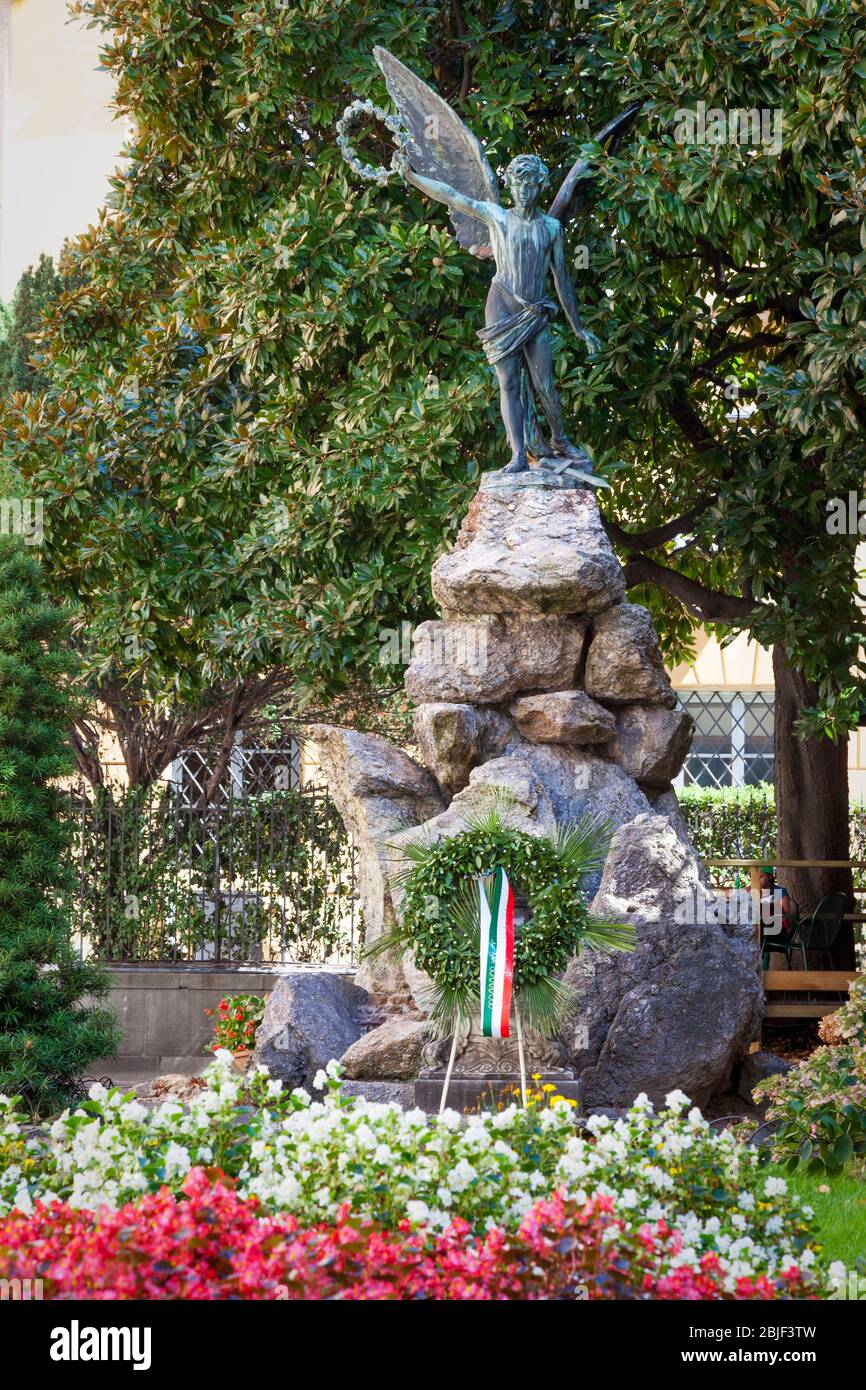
{"points": [[261, 878]]}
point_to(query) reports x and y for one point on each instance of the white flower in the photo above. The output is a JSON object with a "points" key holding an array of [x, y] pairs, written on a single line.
{"points": [[596, 1123], [177, 1160], [333, 1070], [133, 1111], [418, 1212], [451, 1119], [288, 1190], [677, 1100], [747, 1201], [320, 1080], [23, 1201], [775, 1187], [461, 1176], [444, 1196], [97, 1091]]}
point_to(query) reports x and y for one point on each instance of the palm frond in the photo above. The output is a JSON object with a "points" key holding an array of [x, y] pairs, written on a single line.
{"points": [[609, 936], [584, 843], [545, 1005], [399, 939], [496, 815]]}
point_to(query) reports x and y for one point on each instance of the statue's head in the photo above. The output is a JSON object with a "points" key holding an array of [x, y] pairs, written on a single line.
{"points": [[525, 177]]}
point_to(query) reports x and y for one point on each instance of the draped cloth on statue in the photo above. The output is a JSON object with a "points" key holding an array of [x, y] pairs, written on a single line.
{"points": [[508, 335]]}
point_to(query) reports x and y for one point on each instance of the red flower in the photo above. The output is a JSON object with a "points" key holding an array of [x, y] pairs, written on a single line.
{"points": [[211, 1244]]}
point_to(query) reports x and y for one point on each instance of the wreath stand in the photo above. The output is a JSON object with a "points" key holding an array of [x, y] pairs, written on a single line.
{"points": [[453, 1057]]}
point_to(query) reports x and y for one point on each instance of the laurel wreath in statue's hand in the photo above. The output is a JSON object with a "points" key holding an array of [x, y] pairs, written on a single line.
{"points": [[354, 115]]}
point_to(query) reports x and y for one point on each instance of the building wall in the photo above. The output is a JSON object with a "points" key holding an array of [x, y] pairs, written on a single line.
{"points": [[59, 138]]}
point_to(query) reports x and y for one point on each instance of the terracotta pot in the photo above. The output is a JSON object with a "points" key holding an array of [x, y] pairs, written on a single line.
{"points": [[241, 1058]]}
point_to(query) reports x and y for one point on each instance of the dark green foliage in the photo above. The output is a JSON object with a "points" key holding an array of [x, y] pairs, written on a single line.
{"points": [[266, 405], [47, 1034], [730, 823], [36, 289], [741, 824]]}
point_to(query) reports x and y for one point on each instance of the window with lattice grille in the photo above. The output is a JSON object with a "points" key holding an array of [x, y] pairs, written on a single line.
{"points": [[733, 743], [250, 771]]}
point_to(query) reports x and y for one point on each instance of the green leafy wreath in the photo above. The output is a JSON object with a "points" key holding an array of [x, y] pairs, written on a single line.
{"points": [[439, 914]]}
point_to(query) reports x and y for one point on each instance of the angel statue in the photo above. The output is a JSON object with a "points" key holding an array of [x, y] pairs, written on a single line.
{"points": [[438, 155]]}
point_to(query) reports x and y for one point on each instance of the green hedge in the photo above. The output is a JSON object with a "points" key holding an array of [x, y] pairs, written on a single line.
{"points": [[740, 823]]}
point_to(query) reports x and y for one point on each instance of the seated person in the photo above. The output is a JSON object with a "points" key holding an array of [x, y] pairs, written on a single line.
{"points": [[778, 909]]}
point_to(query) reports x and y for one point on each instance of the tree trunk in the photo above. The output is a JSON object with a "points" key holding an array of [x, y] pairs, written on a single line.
{"points": [[811, 777]]}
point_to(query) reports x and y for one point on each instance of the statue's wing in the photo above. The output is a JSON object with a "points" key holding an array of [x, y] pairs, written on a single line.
{"points": [[575, 191], [441, 147]]}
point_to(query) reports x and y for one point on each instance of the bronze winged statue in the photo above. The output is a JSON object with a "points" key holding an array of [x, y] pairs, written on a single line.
{"points": [[441, 157]]}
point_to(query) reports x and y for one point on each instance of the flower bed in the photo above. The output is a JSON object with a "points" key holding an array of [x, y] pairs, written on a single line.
{"points": [[211, 1243], [819, 1106], [312, 1159]]}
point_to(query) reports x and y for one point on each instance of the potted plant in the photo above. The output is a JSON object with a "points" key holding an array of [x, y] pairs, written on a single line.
{"points": [[237, 1016]]}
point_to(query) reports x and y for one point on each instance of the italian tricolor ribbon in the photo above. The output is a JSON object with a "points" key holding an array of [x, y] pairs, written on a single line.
{"points": [[497, 953]]}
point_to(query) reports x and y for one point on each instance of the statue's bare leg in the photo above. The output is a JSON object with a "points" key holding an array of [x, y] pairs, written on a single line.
{"points": [[539, 359], [508, 372]]}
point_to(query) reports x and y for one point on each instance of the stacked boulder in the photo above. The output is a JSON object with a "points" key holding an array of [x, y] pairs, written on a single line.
{"points": [[537, 656], [541, 679]]}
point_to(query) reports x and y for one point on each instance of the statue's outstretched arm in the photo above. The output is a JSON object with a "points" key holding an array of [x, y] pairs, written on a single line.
{"points": [[565, 294], [444, 193]]}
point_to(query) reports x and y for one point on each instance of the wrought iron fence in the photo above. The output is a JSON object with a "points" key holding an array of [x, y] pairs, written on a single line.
{"points": [[263, 878]]}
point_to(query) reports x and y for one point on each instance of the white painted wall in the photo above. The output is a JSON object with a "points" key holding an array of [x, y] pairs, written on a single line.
{"points": [[59, 139]]}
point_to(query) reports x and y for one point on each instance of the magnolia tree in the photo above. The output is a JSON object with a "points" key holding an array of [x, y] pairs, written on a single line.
{"points": [[730, 242], [266, 407]]}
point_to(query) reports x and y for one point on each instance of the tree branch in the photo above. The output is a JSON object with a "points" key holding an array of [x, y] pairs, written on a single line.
{"points": [[635, 541], [708, 605]]}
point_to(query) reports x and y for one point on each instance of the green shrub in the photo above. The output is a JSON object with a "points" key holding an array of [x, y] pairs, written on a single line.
{"points": [[820, 1104], [730, 822], [47, 1036]]}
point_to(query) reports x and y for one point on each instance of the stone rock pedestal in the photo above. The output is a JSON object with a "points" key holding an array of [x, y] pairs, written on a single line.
{"points": [[540, 679]]}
